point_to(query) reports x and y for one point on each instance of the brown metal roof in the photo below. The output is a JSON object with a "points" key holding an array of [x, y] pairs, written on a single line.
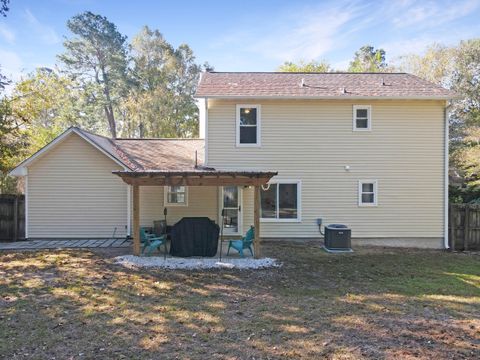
{"points": [[317, 85]]}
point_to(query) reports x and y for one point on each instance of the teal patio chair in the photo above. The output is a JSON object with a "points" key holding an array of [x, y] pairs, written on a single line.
{"points": [[245, 243], [150, 241]]}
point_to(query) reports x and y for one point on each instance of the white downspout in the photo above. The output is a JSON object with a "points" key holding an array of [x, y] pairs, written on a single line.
{"points": [[446, 165], [205, 156], [129, 210]]}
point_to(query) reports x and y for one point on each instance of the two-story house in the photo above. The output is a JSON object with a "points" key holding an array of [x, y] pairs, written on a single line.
{"points": [[369, 150]]}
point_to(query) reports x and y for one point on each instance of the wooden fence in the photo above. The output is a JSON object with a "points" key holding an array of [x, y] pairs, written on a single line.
{"points": [[464, 227], [12, 217]]}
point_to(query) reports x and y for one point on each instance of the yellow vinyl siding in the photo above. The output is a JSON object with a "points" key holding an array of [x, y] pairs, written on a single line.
{"points": [[72, 193], [313, 141], [202, 201]]}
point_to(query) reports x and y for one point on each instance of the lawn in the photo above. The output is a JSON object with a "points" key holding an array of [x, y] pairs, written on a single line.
{"points": [[376, 303]]}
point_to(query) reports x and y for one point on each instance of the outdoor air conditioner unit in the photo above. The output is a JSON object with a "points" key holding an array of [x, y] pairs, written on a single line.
{"points": [[338, 237]]}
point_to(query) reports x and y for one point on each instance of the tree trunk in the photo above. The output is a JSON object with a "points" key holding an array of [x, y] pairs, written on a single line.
{"points": [[111, 120], [108, 107]]}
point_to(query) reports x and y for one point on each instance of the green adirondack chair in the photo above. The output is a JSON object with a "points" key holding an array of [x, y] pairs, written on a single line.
{"points": [[245, 243], [150, 241]]}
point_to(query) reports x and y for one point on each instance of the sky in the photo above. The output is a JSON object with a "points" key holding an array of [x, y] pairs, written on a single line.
{"points": [[245, 35]]}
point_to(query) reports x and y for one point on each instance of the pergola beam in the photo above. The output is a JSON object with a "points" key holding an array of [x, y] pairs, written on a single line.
{"points": [[195, 178], [256, 222], [192, 181], [136, 219]]}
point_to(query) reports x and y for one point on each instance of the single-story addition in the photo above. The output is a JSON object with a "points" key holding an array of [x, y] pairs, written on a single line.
{"points": [[278, 150], [72, 191]]}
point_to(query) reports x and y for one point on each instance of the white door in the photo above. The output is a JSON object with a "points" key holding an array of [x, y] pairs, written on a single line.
{"points": [[231, 202]]}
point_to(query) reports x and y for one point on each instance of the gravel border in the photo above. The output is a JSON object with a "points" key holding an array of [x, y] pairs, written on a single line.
{"points": [[132, 261]]}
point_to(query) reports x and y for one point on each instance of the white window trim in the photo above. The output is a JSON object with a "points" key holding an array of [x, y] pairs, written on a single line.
{"points": [[165, 197], [375, 192], [369, 118], [237, 124], [299, 201]]}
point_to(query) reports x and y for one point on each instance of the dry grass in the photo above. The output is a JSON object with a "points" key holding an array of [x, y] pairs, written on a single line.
{"points": [[375, 303]]}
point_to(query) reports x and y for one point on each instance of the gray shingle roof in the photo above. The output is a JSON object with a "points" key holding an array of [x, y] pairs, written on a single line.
{"points": [[318, 85]]}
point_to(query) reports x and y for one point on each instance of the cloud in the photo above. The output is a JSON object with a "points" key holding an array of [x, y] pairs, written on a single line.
{"points": [[341, 65], [433, 13], [396, 48], [10, 64], [7, 34], [301, 33], [45, 32], [307, 37]]}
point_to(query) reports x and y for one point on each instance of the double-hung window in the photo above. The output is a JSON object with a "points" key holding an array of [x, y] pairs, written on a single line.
{"points": [[280, 201], [248, 125], [175, 196], [362, 118], [367, 193]]}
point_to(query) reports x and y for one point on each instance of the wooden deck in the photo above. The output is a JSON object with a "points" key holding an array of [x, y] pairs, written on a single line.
{"points": [[65, 244]]}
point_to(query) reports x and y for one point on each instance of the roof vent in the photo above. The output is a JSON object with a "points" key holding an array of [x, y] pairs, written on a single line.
{"points": [[302, 83], [383, 82], [343, 90]]}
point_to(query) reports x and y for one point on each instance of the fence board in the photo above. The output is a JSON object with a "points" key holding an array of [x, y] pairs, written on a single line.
{"points": [[12, 217], [464, 227]]}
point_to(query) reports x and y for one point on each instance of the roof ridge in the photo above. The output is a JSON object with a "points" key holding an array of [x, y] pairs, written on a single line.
{"points": [[121, 139], [91, 133], [307, 72]]}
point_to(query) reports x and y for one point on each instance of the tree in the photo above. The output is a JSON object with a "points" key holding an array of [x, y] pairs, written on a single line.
{"points": [[46, 99], [12, 141], [436, 64], [164, 79], [3, 82], [4, 7], [39, 108], [185, 79], [367, 59], [466, 82], [303, 66], [98, 53], [465, 111]]}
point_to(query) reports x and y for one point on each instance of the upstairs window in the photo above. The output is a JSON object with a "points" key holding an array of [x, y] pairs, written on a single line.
{"points": [[248, 125], [175, 196], [367, 193], [362, 118]]}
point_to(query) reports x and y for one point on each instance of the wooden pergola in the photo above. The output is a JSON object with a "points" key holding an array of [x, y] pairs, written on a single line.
{"points": [[204, 177]]}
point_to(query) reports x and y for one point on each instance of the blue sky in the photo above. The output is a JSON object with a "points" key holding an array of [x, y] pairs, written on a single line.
{"points": [[245, 35]]}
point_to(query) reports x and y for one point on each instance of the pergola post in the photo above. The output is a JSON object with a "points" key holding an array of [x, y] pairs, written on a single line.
{"points": [[136, 220], [256, 222]]}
